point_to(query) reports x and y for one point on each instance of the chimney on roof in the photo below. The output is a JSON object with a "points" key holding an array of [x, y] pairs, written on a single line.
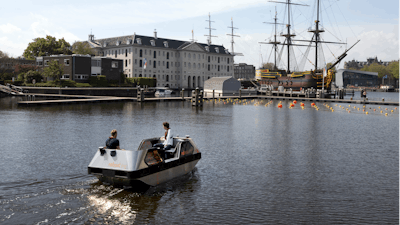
{"points": [[155, 33]]}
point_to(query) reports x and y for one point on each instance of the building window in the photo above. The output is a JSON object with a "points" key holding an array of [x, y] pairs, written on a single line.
{"points": [[66, 62], [154, 64], [126, 52], [153, 43], [208, 58], [114, 64], [166, 44], [217, 49], [135, 63], [155, 54], [115, 53], [218, 59], [218, 67], [126, 63], [167, 55], [167, 65], [65, 77], [140, 63], [228, 60], [140, 53], [139, 41], [46, 62], [208, 67]]}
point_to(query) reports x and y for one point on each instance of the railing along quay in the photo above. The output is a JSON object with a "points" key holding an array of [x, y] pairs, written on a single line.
{"points": [[196, 101]]}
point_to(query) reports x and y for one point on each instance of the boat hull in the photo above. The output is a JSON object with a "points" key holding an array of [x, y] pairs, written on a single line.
{"points": [[295, 83], [152, 176]]}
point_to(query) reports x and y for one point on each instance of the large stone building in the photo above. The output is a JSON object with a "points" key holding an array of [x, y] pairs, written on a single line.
{"points": [[354, 64], [174, 63], [244, 71]]}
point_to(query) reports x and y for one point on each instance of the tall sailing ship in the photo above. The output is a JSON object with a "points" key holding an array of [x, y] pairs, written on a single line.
{"points": [[319, 78]]}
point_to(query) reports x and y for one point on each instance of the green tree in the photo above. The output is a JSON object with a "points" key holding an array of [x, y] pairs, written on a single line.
{"points": [[394, 69], [269, 66], [47, 46], [375, 67], [82, 48], [53, 70], [6, 66], [31, 75]]}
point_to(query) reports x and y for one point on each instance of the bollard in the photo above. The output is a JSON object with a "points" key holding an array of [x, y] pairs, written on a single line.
{"points": [[194, 98], [240, 93], [140, 95], [183, 94], [213, 94]]}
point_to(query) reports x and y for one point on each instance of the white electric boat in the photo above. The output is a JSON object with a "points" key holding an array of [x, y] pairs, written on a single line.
{"points": [[146, 165], [162, 92]]}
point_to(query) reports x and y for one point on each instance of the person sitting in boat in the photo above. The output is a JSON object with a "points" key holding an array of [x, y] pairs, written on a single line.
{"points": [[168, 138], [112, 142]]}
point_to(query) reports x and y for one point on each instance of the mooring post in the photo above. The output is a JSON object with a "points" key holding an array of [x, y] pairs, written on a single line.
{"points": [[240, 93], [201, 93], [140, 95], [194, 98], [213, 94], [183, 94]]}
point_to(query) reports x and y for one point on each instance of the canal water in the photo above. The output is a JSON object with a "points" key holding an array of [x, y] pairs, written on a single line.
{"points": [[260, 164]]}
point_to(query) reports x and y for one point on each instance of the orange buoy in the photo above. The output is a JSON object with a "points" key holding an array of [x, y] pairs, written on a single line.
{"points": [[279, 105], [301, 104], [291, 105], [312, 104], [295, 102], [374, 109]]}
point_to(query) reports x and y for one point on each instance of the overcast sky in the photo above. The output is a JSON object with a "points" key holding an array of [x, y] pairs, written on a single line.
{"points": [[375, 23]]}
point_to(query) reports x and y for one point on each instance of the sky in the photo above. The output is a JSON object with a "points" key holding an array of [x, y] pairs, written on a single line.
{"points": [[374, 23]]}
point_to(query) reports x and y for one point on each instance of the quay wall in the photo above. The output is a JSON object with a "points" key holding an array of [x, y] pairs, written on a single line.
{"points": [[103, 91]]}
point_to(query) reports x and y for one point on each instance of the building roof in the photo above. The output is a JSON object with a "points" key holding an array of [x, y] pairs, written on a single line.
{"points": [[358, 71], [130, 40]]}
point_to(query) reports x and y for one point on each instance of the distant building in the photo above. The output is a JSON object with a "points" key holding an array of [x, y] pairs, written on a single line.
{"points": [[222, 86], [359, 65], [356, 78], [174, 63], [244, 71], [80, 68], [8, 65]]}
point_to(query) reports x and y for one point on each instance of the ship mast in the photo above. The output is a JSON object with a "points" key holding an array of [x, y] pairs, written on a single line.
{"points": [[317, 32], [289, 36]]}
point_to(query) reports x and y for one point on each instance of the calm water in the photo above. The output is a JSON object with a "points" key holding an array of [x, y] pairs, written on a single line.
{"points": [[260, 164]]}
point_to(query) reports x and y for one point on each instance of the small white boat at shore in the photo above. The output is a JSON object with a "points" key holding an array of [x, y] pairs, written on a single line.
{"points": [[162, 92], [135, 167]]}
